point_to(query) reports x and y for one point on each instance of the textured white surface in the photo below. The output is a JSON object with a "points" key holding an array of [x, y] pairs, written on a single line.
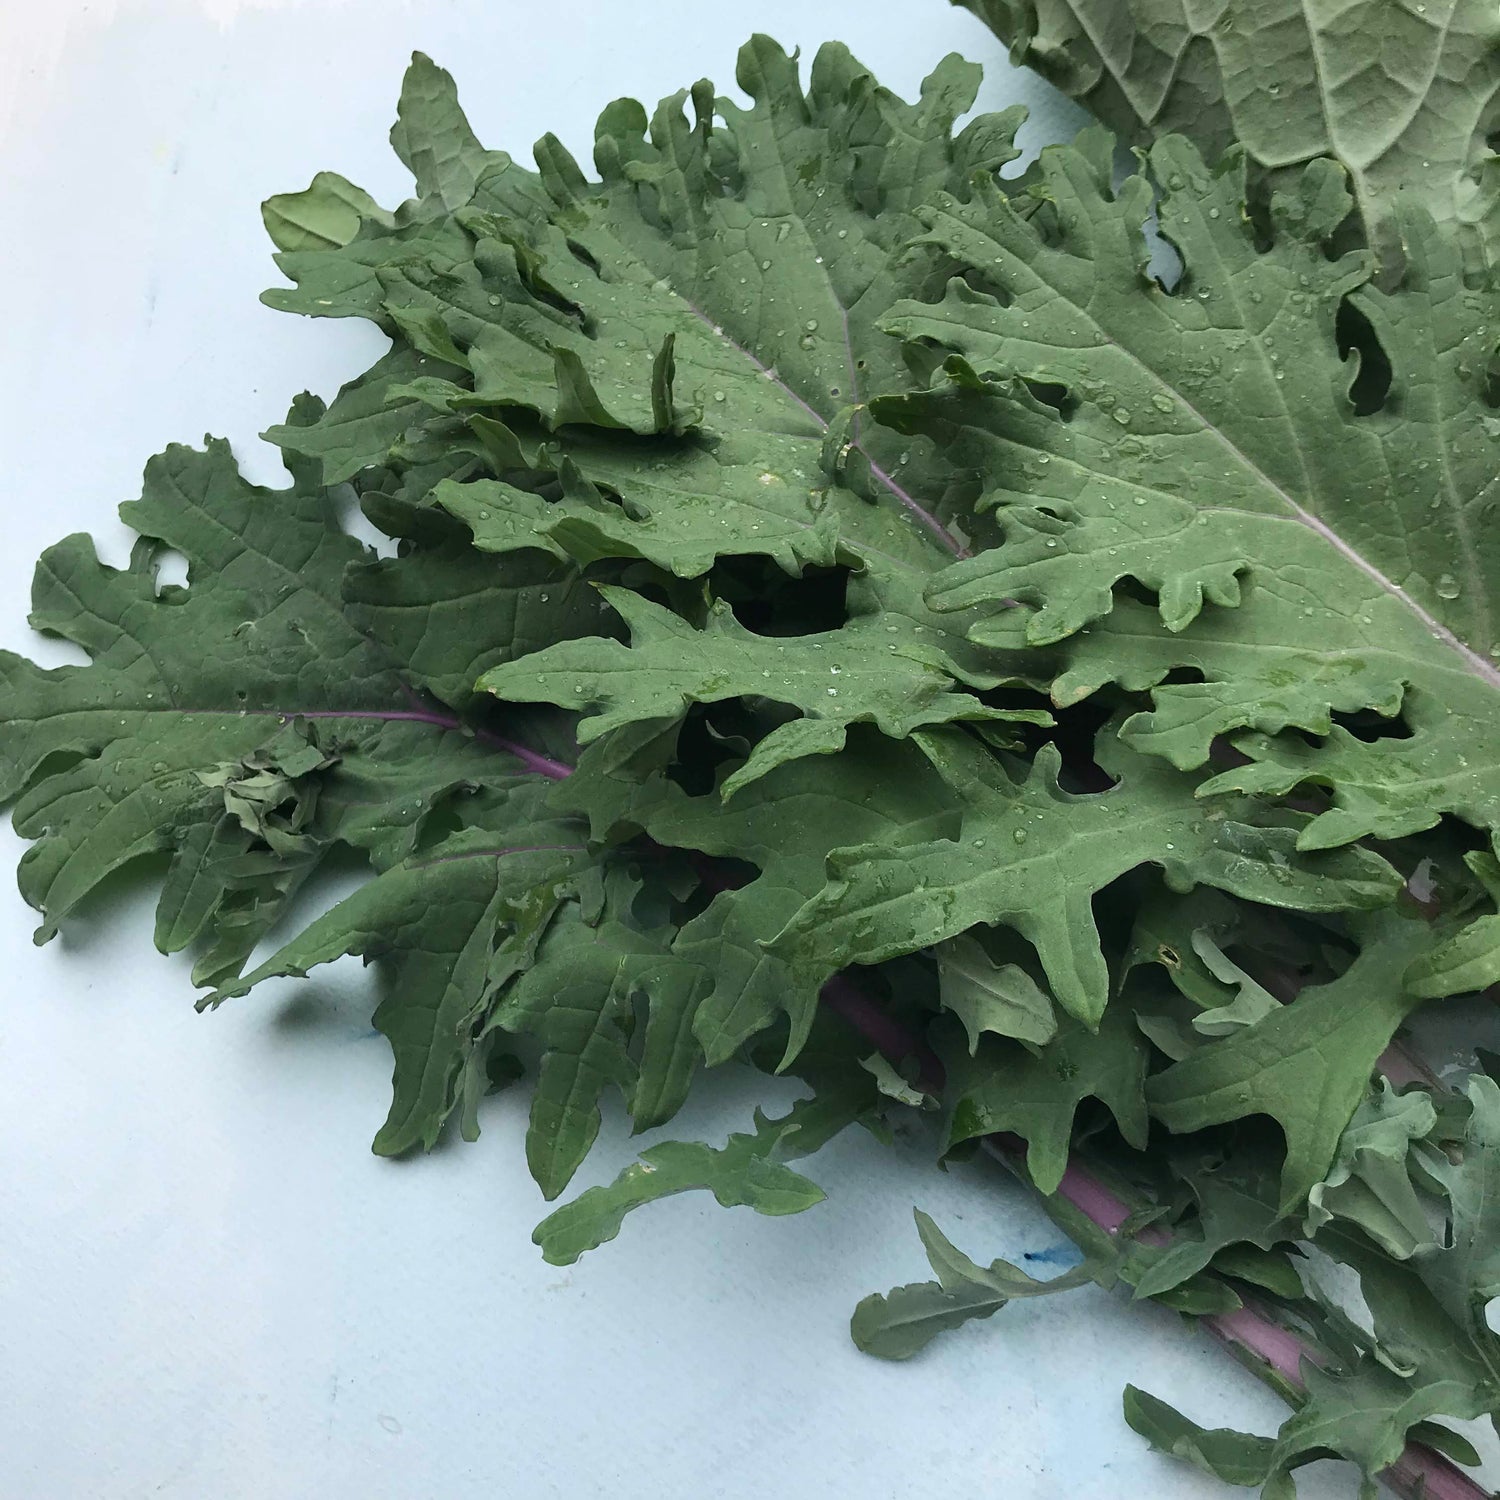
{"points": [[209, 1287]]}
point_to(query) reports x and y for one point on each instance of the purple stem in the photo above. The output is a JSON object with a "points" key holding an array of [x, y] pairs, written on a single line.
{"points": [[554, 769], [1421, 1473], [923, 516], [889, 1037]]}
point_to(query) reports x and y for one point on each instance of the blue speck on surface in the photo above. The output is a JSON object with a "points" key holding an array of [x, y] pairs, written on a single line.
{"points": [[1064, 1256]]}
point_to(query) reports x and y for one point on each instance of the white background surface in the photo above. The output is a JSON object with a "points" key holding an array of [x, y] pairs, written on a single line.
{"points": [[208, 1286]]}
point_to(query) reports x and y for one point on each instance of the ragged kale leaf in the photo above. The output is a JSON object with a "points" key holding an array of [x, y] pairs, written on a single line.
{"points": [[846, 616], [1308, 561], [1404, 97]]}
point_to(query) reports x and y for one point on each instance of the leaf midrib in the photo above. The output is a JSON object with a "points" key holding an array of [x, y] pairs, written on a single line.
{"points": [[1473, 662]]}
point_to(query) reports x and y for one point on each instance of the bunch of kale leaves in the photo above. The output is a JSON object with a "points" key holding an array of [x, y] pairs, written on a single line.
{"points": [[849, 614]]}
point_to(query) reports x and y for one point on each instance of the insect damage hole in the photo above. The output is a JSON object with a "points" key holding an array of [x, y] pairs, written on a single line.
{"points": [[1361, 351]]}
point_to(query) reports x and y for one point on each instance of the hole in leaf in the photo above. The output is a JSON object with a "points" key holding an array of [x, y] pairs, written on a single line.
{"points": [[1489, 390], [1361, 351], [171, 568], [1258, 212], [1058, 397], [1165, 265], [442, 822]]}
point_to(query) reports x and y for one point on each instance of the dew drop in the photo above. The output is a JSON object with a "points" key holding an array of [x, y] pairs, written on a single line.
{"points": [[1448, 587], [765, 265], [1019, 835]]}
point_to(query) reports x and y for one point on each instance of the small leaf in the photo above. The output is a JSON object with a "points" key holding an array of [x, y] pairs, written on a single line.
{"points": [[1468, 961], [325, 215], [1306, 1064], [902, 1322], [1001, 999], [1369, 1182], [748, 1171], [1235, 1457]]}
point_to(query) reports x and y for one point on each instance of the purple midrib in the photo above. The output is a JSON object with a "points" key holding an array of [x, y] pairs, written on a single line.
{"points": [[920, 513], [531, 759], [1419, 1469]]}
